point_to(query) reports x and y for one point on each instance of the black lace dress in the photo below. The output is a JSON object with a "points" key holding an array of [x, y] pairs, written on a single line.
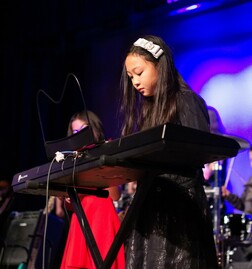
{"points": [[174, 227]]}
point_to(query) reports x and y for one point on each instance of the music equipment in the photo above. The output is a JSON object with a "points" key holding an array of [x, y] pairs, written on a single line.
{"points": [[236, 226], [122, 160], [74, 142], [18, 240], [34, 258], [238, 255], [239, 265], [163, 149]]}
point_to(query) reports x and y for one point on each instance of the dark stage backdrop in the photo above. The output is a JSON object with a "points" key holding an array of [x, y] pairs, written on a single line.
{"points": [[44, 41]]}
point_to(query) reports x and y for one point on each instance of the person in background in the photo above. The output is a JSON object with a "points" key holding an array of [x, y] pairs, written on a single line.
{"points": [[215, 172], [243, 203], [216, 124], [238, 226], [216, 127], [100, 212], [58, 207], [173, 228]]}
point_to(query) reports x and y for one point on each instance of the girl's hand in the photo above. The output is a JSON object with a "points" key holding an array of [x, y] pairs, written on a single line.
{"points": [[225, 192], [115, 193]]}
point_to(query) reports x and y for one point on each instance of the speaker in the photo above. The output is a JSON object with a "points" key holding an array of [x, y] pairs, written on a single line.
{"points": [[18, 239]]}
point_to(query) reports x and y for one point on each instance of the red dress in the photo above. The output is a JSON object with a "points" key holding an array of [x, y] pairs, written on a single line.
{"points": [[104, 223]]}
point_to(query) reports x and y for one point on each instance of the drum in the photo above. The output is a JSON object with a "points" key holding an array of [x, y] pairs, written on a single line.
{"points": [[240, 253], [237, 227]]}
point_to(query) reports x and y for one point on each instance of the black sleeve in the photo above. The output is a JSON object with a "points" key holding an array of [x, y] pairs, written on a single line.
{"points": [[247, 196], [235, 201], [193, 111]]}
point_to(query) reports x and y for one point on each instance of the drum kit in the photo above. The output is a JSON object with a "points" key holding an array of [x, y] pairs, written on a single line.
{"points": [[232, 232]]}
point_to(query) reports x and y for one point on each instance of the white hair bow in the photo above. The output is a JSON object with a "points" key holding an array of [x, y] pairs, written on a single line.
{"points": [[154, 49]]}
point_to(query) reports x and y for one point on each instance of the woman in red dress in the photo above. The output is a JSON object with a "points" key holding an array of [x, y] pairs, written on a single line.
{"points": [[101, 214]]}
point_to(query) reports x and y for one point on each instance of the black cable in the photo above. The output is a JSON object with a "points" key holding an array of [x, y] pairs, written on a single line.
{"points": [[60, 100], [46, 213]]}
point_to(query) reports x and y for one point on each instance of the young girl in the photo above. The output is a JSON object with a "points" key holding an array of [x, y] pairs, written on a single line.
{"points": [[174, 227], [100, 212]]}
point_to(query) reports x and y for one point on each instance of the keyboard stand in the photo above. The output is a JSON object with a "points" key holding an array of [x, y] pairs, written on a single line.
{"points": [[125, 226]]}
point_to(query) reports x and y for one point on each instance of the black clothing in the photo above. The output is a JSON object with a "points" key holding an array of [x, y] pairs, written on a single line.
{"points": [[243, 203], [174, 228]]}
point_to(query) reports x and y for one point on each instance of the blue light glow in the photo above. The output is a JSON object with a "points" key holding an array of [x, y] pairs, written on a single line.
{"points": [[184, 9], [217, 64], [192, 7], [171, 1]]}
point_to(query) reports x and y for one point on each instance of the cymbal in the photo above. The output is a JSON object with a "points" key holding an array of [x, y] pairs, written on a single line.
{"points": [[243, 143]]}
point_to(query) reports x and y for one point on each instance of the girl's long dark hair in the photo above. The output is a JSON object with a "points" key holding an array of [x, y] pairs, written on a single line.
{"points": [[141, 112], [93, 120]]}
